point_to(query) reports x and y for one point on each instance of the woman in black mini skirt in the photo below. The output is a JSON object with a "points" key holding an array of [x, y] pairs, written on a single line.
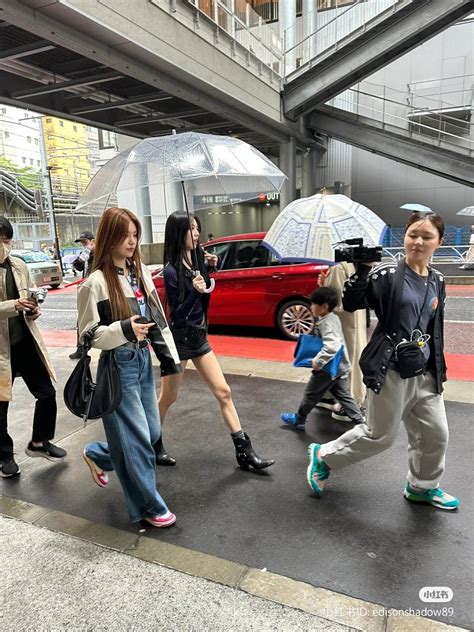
{"points": [[188, 304]]}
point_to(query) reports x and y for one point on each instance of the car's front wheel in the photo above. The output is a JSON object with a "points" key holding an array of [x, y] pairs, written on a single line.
{"points": [[294, 318], [55, 286]]}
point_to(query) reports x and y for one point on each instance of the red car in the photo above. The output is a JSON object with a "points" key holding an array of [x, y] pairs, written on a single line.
{"points": [[255, 289]]}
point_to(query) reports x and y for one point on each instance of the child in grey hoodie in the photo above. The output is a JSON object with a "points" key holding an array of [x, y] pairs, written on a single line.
{"points": [[328, 327]]}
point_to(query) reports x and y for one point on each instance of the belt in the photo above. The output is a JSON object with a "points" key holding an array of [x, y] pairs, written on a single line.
{"points": [[140, 344]]}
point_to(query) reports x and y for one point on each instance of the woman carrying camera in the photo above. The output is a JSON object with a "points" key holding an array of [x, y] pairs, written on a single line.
{"points": [[118, 304], [188, 304], [403, 367]]}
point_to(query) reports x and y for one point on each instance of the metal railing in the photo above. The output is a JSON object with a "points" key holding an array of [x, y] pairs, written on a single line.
{"points": [[454, 92], [33, 200], [17, 192], [319, 33], [391, 109], [445, 254], [246, 27]]}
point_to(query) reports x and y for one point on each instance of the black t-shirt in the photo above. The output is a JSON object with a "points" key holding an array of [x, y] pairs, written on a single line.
{"points": [[419, 293], [16, 324]]}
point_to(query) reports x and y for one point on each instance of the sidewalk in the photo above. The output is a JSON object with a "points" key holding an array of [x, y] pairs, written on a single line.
{"points": [[354, 560]]}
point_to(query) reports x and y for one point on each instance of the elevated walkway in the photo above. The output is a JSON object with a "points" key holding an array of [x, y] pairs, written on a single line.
{"points": [[432, 139], [371, 45], [143, 68]]}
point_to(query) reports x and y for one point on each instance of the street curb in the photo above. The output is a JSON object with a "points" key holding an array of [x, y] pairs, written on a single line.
{"points": [[320, 602]]}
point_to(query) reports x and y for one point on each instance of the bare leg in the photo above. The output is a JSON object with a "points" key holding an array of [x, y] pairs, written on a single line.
{"points": [[169, 391], [210, 370]]}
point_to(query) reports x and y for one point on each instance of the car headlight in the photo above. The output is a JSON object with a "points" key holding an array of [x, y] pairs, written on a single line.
{"points": [[35, 271]]}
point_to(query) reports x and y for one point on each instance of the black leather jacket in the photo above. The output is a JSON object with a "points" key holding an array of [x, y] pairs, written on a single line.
{"points": [[374, 288]]}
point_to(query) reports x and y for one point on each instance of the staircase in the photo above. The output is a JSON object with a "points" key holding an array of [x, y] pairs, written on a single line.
{"points": [[14, 192]]}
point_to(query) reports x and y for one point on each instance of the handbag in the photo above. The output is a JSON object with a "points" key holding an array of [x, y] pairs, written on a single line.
{"points": [[308, 346], [86, 398], [410, 359]]}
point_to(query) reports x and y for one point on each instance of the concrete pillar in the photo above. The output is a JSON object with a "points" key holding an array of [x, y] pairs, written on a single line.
{"points": [[288, 166], [287, 21], [308, 173], [310, 25]]}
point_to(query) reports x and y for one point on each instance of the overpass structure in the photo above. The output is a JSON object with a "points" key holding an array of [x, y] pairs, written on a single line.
{"points": [[146, 67]]}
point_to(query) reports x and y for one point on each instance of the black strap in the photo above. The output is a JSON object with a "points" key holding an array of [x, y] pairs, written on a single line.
{"points": [[87, 338], [397, 285], [424, 300]]}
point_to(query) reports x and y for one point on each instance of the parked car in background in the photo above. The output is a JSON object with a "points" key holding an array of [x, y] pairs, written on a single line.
{"points": [[253, 288], [43, 271]]}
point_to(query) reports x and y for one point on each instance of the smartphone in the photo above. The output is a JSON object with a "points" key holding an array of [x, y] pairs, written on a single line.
{"points": [[143, 321]]}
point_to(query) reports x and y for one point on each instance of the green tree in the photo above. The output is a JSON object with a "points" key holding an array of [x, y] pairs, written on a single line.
{"points": [[26, 175]]}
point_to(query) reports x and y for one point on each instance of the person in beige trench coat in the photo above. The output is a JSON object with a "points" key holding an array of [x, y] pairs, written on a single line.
{"points": [[354, 327], [22, 351]]}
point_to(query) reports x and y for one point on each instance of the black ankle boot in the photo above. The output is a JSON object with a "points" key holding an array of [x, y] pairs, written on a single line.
{"points": [[246, 455], [162, 457]]}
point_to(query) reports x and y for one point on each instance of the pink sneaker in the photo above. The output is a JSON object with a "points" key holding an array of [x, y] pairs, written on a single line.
{"points": [[100, 477], [166, 520]]}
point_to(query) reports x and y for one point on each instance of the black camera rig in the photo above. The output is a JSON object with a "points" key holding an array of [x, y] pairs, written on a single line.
{"points": [[354, 251]]}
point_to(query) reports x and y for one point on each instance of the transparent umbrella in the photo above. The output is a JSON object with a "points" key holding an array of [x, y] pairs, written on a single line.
{"points": [[209, 170], [309, 228], [421, 208], [188, 171], [468, 211]]}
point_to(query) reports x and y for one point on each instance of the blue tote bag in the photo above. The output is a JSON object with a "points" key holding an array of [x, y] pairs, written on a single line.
{"points": [[308, 346]]}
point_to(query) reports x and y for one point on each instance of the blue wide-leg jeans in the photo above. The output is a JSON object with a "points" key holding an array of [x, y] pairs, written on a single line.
{"points": [[131, 431]]}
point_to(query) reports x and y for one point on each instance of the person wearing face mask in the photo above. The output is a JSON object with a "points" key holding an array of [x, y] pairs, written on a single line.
{"points": [[24, 353], [84, 263]]}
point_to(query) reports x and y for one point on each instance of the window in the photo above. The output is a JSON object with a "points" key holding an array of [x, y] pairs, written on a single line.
{"points": [[222, 251], [61, 123], [249, 254], [106, 139], [28, 138], [74, 127], [7, 134], [4, 110], [23, 160], [38, 163], [31, 161], [36, 141], [48, 120]]}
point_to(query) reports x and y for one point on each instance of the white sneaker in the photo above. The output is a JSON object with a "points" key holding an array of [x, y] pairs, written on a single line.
{"points": [[341, 415], [328, 404]]}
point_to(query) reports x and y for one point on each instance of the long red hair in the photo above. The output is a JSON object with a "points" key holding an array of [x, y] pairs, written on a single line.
{"points": [[113, 229]]}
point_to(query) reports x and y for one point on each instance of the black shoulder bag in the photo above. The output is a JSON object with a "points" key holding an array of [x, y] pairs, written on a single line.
{"points": [[86, 398], [409, 356]]}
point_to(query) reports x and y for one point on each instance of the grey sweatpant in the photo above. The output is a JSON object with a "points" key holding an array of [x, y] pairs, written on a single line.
{"points": [[413, 401]]}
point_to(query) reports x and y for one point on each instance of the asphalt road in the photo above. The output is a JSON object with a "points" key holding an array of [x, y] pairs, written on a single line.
{"points": [[60, 313]]}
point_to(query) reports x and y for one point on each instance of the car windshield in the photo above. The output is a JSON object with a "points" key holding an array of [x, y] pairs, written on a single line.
{"points": [[32, 257]]}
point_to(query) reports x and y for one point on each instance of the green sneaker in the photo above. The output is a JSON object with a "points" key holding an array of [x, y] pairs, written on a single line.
{"points": [[317, 471], [435, 496]]}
